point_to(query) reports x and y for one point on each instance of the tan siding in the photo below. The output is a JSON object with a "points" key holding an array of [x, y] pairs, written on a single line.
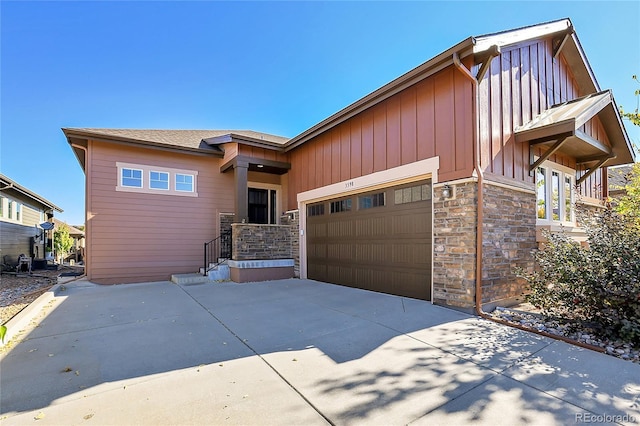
{"points": [[433, 117], [30, 216], [138, 236]]}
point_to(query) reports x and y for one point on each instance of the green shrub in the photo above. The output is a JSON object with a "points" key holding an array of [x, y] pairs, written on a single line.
{"points": [[598, 284]]}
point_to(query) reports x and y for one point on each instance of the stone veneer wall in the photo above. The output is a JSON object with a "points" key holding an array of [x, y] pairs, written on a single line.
{"points": [[509, 237], [226, 219], [260, 242], [454, 239], [292, 218]]}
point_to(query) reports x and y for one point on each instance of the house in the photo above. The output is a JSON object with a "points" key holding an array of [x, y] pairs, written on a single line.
{"points": [[77, 250], [433, 186], [22, 212], [618, 178]]}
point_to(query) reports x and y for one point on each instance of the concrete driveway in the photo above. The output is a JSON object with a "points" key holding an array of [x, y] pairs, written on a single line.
{"points": [[295, 352]]}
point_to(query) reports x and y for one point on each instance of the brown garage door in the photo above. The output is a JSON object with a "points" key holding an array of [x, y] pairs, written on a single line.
{"points": [[379, 240]]}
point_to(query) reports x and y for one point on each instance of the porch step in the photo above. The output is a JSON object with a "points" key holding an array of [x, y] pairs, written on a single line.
{"points": [[220, 273], [189, 279]]}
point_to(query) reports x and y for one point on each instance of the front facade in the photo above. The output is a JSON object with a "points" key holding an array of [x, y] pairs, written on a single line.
{"points": [[22, 212], [435, 186]]}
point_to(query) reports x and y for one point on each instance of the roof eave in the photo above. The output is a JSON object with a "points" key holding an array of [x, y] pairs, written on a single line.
{"points": [[19, 188], [79, 134]]}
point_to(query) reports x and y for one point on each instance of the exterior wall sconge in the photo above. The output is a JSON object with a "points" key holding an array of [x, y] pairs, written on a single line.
{"points": [[446, 191]]}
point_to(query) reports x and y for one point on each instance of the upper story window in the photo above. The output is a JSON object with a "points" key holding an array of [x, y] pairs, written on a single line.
{"points": [[159, 180], [555, 193], [18, 210], [184, 182], [156, 180], [131, 177], [2, 206]]}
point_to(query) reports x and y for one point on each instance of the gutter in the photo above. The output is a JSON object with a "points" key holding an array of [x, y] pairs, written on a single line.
{"points": [[480, 218]]}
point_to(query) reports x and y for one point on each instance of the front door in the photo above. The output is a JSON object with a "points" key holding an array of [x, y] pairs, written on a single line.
{"points": [[262, 205]]}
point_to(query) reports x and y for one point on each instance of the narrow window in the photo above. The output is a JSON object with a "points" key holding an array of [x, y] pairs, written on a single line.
{"points": [[18, 212], [132, 178], [555, 194], [1, 206], [541, 189], [158, 180], [184, 183], [568, 202], [10, 209]]}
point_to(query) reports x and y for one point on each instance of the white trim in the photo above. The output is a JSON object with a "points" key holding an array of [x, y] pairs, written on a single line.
{"points": [[563, 172], [423, 169]]}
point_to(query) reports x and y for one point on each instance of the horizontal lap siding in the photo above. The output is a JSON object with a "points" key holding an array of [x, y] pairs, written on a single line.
{"points": [[521, 83], [136, 237], [430, 118]]}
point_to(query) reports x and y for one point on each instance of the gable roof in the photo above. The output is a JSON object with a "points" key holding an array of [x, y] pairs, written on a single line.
{"points": [[11, 185], [480, 47]]}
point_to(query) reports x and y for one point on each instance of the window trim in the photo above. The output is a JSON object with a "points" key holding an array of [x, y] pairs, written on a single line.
{"points": [[146, 186], [563, 173]]}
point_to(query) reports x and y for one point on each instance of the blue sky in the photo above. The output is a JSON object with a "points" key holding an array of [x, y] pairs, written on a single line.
{"points": [[276, 67]]}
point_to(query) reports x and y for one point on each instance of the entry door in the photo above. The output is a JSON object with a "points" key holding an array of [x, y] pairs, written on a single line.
{"points": [[262, 205]]}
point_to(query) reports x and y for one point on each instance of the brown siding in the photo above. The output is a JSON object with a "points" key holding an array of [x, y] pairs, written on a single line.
{"points": [[521, 83], [135, 237], [264, 153], [430, 118]]}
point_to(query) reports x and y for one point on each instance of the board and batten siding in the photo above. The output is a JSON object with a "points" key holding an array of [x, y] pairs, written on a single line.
{"points": [[135, 237], [521, 83], [430, 118]]}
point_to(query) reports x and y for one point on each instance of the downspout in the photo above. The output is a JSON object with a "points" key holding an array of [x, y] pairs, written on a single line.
{"points": [[480, 217]]}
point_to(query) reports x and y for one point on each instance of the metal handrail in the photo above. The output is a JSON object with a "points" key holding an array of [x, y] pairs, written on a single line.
{"points": [[217, 251]]}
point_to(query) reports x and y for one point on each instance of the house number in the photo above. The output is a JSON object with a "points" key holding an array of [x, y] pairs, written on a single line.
{"points": [[350, 184]]}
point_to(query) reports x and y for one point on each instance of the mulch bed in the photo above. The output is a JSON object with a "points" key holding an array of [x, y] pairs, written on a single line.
{"points": [[17, 291]]}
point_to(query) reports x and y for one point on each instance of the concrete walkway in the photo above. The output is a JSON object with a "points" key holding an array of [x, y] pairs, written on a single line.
{"points": [[295, 352]]}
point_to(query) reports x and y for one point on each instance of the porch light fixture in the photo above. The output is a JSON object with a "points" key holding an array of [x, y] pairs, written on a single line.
{"points": [[446, 191], [260, 166]]}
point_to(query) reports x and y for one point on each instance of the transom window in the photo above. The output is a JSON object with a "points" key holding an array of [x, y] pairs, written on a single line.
{"points": [[412, 194], [555, 193], [315, 210], [131, 178], [159, 180]]}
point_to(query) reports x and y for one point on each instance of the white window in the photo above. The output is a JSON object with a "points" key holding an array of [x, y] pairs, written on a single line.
{"points": [[18, 209], [555, 193], [131, 178], [159, 180], [184, 183], [2, 206]]}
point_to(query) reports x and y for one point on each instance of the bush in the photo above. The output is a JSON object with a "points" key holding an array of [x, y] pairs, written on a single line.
{"points": [[598, 284]]}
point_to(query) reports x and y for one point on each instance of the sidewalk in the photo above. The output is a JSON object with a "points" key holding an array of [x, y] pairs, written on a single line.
{"points": [[295, 352]]}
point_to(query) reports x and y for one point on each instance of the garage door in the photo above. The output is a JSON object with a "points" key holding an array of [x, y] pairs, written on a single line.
{"points": [[379, 240]]}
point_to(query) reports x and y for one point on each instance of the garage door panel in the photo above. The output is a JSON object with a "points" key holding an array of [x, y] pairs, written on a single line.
{"points": [[383, 247]]}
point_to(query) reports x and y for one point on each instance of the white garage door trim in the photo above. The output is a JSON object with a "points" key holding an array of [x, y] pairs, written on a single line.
{"points": [[424, 169]]}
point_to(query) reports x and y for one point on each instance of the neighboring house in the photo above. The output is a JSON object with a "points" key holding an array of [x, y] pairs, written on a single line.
{"points": [[77, 250], [618, 178], [21, 213], [432, 187]]}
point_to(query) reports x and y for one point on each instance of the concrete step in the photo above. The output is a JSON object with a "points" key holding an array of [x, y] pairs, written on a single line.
{"points": [[220, 273], [189, 279]]}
